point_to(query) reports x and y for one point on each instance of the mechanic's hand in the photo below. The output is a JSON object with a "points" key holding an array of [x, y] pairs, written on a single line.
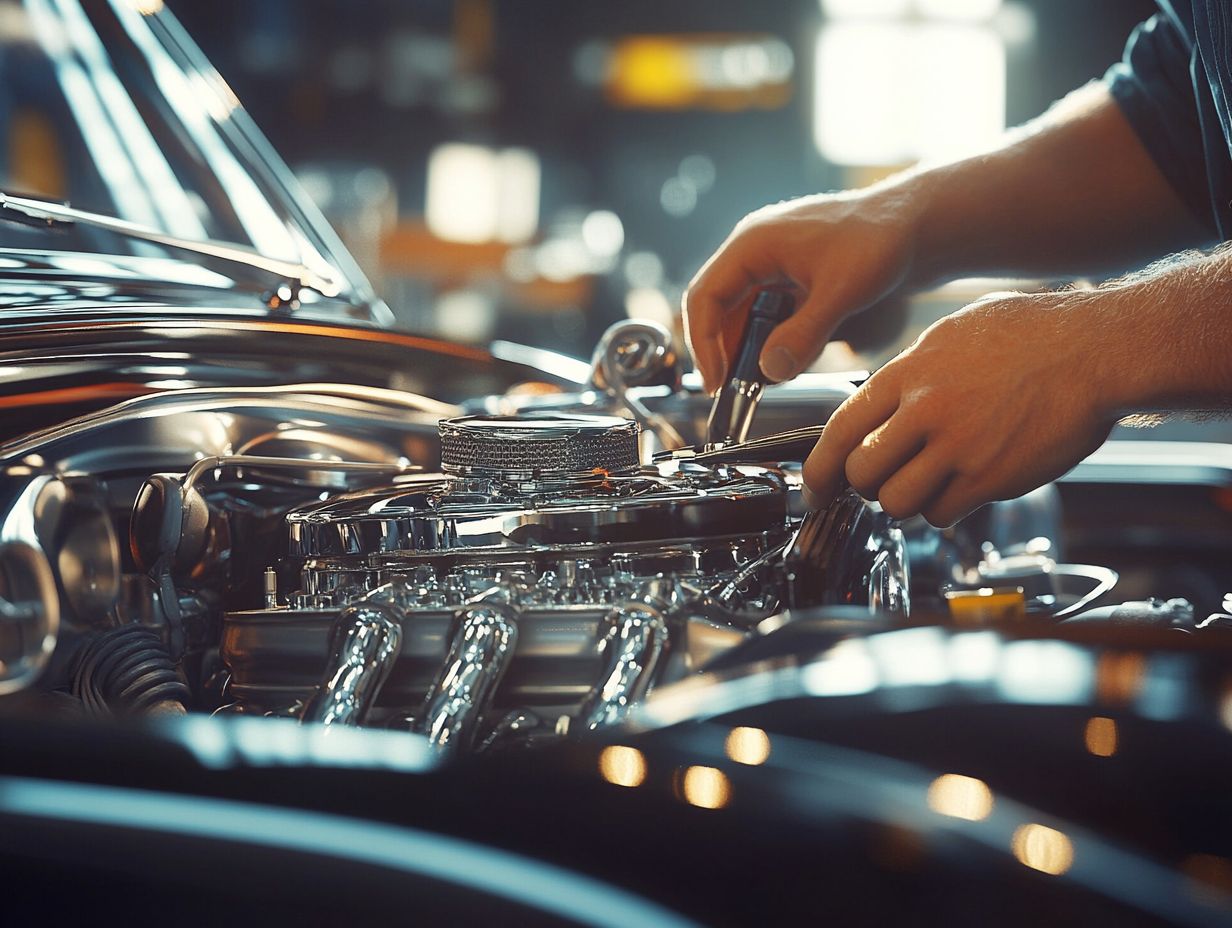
{"points": [[841, 252], [989, 403]]}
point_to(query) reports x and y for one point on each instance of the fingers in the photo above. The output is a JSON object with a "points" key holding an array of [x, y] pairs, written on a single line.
{"points": [[882, 453], [958, 500], [860, 414], [917, 485], [719, 288], [798, 342]]}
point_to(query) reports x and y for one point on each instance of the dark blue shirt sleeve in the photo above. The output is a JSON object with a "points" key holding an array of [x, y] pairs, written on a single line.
{"points": [[1153, 85]]}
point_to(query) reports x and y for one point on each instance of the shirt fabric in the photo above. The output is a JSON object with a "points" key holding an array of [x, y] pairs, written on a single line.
{"points": [[1174, 85]]}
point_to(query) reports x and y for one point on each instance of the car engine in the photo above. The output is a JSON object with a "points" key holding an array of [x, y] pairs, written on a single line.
{"points": [[564, 560], [543, 537]]}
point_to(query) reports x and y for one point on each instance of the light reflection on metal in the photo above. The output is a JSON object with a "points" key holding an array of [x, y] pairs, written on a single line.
{"points": [[748, 746], [98, 134], [634, 637], [1118, 677], [267, 232], [638, 354], [218, 462], [621, 765], [366, 640], [1101, 736], [1045, 672], [960, 797], [1042, 848], [147, 7], [166, 193], [482, 641], [914, 657], [705, 787], [847, 669], [238, 741], [29, 614]]}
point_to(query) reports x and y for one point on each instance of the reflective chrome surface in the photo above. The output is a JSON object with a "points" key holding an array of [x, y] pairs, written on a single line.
{"points": [[29, 615], [439, 515], [173, 430], [637, 354], [801, 403], [850, 553], [367, 636], [538, 449], [936, 776], [731, 417], [61, 575], [632, 645], [558, 585], [481, 646]]}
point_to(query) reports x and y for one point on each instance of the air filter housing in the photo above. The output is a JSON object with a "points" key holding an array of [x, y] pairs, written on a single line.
{"points": [[549, 448]]}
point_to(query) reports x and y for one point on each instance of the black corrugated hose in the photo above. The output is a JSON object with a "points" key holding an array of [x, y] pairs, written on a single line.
{"points": [[127, 671]]}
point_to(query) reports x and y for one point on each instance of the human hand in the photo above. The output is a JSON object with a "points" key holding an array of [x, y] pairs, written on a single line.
{"points": [[989, 403], [840, 253]]}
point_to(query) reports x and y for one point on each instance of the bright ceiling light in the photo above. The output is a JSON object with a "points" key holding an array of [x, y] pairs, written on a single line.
{"points": [[478, 194], [891, 93]]}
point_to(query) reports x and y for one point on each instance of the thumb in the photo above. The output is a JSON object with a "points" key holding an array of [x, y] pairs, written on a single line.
{"points": [[798, 342]]}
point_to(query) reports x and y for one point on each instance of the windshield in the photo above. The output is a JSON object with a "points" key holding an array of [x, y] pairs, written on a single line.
{"points": [[106, 105]]}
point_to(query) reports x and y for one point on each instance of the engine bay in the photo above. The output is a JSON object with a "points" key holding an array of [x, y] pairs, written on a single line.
{"points": [[525, 571]]}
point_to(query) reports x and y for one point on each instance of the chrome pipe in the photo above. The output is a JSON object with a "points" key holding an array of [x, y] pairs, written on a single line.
{"points": [[481, 646], [637, 354], [366, 639], [634, 639]]}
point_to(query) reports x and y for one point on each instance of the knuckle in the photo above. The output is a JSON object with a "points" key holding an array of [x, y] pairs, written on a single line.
{"points": [[860, 475]]}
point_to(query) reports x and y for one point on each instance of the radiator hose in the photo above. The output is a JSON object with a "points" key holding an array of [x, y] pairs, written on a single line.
{"points": [[128, 671]]}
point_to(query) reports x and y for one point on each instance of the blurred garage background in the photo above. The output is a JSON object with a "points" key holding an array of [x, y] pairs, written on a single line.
{"points": [[536, 169]]}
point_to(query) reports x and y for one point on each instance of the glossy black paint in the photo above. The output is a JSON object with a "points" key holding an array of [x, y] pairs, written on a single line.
{"points": [[835, 824]]}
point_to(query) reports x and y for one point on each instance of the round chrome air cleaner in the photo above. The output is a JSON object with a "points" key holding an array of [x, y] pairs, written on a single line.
{"points": [[538, 448]]}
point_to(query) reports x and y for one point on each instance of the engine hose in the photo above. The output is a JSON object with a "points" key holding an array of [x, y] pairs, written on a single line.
{"points": [[127, 671]]}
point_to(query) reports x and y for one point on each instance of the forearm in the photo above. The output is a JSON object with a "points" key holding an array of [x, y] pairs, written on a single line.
{"points": [[1162, 339], [1073, 193]]}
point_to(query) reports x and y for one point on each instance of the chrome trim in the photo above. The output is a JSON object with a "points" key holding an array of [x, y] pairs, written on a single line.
{"points": [[168, 431], [432, 514], [560, 365], [218, 462], [57, 214]]}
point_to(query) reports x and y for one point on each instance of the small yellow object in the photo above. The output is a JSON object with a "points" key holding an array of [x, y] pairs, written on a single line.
{"points": [[986, 606]]}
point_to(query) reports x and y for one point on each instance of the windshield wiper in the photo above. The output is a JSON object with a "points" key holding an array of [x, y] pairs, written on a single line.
{"points": [[56, 215]]}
